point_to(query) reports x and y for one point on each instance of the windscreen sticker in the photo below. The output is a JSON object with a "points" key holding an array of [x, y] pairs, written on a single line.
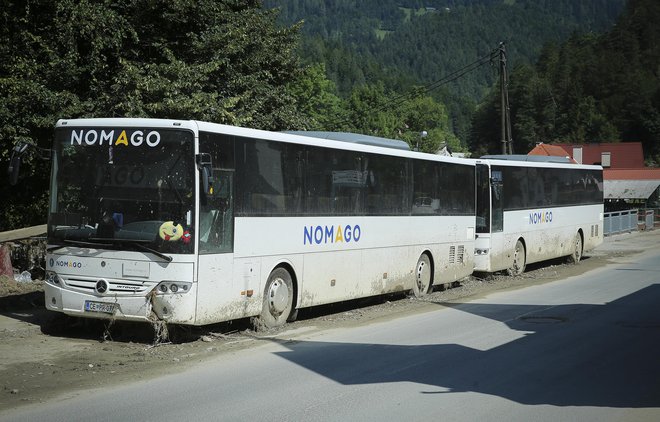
{"points": [[114, 137]]}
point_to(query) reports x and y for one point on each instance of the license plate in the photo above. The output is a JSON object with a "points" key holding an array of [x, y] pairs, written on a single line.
{"points": [[106, 308]]}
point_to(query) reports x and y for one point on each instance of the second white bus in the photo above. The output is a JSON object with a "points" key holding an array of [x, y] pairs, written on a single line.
{"points": [[530, 211]]}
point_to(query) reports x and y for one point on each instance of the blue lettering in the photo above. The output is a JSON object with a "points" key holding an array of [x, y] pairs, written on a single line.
{"points": [[69, 264], [329, 234], [540, 217], [308, 235], [356, 233], [318, 235]]}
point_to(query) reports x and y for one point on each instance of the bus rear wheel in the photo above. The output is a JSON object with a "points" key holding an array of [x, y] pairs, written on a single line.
{"points": [[278, 299], [423, 276], [576, 256], [519, 260]]}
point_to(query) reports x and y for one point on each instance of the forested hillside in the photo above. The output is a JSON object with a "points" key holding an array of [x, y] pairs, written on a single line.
{"points": [[591, 88], [424, 40], [410, 42]]}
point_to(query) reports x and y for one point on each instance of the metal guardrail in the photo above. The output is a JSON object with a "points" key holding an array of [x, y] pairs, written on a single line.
{"points": [[628, 221], [646, 218], [619, 222]]}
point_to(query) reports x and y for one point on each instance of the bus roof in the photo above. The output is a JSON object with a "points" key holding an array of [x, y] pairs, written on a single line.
{"points": [[375, 146], [356, 138], [533, 158], [516, 161]]}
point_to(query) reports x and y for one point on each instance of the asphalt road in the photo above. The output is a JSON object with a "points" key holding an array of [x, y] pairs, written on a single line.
{"points": [[586, 348]]}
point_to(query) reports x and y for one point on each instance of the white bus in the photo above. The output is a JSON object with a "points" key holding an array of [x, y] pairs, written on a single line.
{"points": [[531, 211], [194, 223]]}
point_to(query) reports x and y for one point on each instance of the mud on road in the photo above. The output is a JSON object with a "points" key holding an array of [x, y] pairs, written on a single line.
{"points": [[45, 355]]}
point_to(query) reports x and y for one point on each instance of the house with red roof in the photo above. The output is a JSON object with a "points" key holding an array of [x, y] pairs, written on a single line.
{"points": [[550, 151], [609, 155]]}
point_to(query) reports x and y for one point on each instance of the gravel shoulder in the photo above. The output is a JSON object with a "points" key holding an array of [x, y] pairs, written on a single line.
{"points": [[47, 355]]}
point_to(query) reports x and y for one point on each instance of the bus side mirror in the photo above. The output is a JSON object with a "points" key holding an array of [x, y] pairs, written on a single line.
{"points": [[15, 163], [207, 184], [205, 165]]}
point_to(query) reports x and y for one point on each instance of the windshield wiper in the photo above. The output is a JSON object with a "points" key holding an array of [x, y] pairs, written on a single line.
{"points": [[153, 251], [113, 241], [76, 242], [138, 244]]}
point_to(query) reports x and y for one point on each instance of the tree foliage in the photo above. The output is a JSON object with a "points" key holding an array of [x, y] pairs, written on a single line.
{"points": [[222, 61], [374, 110]]}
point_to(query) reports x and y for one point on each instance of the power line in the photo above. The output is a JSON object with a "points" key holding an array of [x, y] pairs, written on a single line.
{"points": [[488, 58]]}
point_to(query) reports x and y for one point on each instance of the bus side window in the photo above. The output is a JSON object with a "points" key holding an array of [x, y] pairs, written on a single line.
{"points": [[216, 214], [497, 187]]}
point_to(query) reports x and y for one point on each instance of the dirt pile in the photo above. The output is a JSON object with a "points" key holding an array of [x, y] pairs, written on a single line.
{"points": [[13, 294]]}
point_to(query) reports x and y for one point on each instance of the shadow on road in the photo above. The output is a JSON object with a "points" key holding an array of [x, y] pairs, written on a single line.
{"points": [[611, 361]]}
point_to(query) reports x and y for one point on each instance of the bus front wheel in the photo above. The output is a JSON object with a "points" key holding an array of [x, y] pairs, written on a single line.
{"points": [[423, 276], [278, 298], [519, 260]]}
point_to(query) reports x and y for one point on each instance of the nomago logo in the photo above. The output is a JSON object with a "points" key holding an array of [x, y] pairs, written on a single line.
{"points": [[331, 234], [68, 264], [540, 217], [93, 137]]}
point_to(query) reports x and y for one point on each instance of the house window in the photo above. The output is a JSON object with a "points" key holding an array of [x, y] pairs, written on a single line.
{"points": [[605, 159]]}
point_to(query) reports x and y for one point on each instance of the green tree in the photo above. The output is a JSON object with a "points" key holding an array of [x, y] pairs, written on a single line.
{"points": [[369, 112], [223, 61], [424, 114], [374, 111], [316, 96]]}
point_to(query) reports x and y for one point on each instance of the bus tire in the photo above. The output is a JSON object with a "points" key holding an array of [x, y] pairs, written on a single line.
{"points": [[423, 276], [278, 299], [519, 260], [576, 255]]}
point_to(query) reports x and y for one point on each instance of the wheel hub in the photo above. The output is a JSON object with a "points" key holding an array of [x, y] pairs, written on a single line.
{"points": [[420, 275], [278, 296]]}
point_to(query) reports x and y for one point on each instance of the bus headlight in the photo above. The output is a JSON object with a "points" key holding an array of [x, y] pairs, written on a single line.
{"points": [[480, 251], [178, 287], [52, 278]]}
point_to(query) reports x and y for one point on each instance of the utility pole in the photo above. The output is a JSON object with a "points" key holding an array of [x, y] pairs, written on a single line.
{"points": [[505, 121]]}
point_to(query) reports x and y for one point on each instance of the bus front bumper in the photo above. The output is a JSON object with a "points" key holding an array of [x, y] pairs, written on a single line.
{"points": [[70, 302], [149, 308]]}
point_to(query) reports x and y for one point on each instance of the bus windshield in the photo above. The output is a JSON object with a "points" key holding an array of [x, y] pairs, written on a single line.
{"points": [[123, 187]]}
